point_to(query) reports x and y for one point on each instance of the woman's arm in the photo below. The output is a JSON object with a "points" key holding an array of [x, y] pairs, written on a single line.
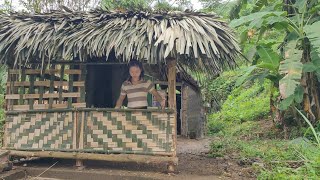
{"points": [[159, 98], [120, 101]]}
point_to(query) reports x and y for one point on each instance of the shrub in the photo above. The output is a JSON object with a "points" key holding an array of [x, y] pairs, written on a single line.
{"points": [[215, 91], [243, 104]]}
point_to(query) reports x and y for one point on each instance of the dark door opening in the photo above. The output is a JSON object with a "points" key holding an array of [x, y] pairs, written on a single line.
{"points": [[99, 91], [103, 85]]}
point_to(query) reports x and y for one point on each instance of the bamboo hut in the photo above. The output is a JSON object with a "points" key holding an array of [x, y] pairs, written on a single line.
{"points": [[65, 70]]}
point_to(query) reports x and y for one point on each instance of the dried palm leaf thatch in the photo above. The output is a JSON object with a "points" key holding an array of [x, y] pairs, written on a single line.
{"points": [[198, 41]]}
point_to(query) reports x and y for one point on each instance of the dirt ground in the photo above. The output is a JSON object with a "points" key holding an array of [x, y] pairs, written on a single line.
{"points": [[193, 164]]}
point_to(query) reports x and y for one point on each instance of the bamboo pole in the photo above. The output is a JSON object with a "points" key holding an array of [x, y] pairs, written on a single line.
{"points": [[88, 110], [172, 105], [172, 96], [79, 162], [169, 154], [74, 137], [101, 157]]}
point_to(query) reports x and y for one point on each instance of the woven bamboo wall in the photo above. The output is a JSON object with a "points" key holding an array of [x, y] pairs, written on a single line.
{"points": [[61, 86], [139, 132], [39, 131], [129, 132]]}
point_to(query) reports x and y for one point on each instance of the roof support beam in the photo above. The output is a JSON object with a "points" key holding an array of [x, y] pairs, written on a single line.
{"points": [[172, 96]]}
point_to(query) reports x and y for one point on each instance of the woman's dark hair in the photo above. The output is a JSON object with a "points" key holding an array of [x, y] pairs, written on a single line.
{"points": [[135, 63]]}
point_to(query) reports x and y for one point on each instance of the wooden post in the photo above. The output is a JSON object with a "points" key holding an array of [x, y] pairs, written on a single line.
{"points": [[172, 104], [80, 134], [172, 83]]}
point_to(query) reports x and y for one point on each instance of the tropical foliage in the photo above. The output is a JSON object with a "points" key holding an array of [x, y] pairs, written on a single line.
{"points": [[6, 6], [133, 5], [40, 6], [282, 44], [290, 63], [220, 7], [245, 103]]}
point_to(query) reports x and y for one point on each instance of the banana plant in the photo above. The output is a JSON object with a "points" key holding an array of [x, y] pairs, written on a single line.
{"points": [[293, 66]]}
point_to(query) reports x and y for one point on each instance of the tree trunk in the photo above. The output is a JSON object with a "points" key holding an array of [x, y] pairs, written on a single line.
{"points": [[310, 85]]}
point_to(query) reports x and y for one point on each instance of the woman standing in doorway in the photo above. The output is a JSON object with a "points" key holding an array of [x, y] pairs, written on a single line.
{"points": [[137, 89]]}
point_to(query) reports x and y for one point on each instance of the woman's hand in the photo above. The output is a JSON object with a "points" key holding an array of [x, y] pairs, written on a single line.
{"points": [[163, 103], [119, 101], [161, 100]]}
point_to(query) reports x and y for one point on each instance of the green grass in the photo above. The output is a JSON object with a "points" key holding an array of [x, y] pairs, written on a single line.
{"points": [[254, 143], [242, 129], [243, 104]]}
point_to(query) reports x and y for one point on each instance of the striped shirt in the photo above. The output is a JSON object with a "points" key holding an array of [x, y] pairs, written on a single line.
{"points": [[137, 93]]}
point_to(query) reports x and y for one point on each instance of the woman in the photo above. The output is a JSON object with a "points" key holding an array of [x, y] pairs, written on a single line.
{"points": [[137, 89]]}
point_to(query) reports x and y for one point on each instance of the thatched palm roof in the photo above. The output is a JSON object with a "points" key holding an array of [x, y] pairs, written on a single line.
{"points": [[197, 40]]}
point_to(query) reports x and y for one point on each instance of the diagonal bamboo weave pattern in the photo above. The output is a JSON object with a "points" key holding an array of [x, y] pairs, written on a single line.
{"points": [[130, 131], [40, 131], [105, 131]]}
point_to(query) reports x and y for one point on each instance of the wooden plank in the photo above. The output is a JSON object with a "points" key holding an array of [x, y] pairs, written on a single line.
{"points": [[48, 71], [78, 105], [51, 96], [79, 83], [20, 107], [61, 82], [40, 83], [41, 106], [64, 105], [12, 96], [31, 96], [31, 91], [54, 106], [47, 83], [35, 96], [70, 95], [34, 71], [72, 71]]}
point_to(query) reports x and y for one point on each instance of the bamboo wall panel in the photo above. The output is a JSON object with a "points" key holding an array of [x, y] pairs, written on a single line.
{"points": [[129, 132], [132, 132], [39, 131], [54, 88]]}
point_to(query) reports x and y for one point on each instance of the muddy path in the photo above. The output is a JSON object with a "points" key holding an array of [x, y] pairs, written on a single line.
{"points": [[194, 163]]}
